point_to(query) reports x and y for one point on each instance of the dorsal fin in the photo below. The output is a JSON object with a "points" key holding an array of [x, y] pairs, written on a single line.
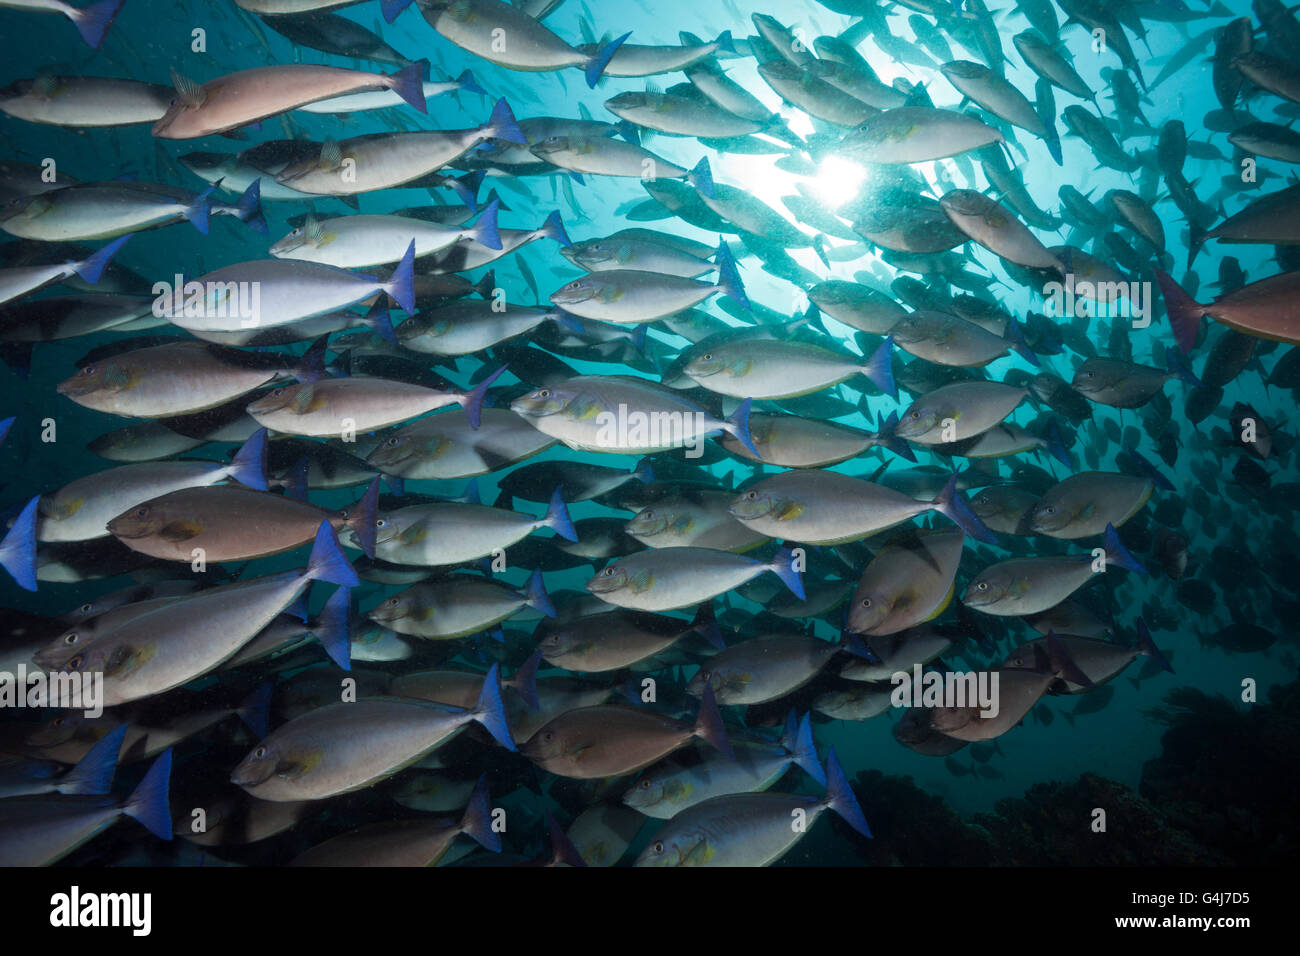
{"points": [[331, 155], [189, 91]]}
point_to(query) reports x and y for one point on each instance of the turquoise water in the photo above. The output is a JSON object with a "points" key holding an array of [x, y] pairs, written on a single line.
{"points": [[148, 39]]}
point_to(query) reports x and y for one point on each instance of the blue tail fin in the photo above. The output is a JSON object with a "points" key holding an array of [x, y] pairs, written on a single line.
{"points": [[148, 803], [334, 628], [737, 425], [879, 368], [18, 548], [295, 480], [92, 22], [408, 83], [200, 211], [729, 277], [490, 710], [466, 189], [525, 680], [840, 797], [477, 820], [709, 726], [1119, 555], [701, 177], [886, 429], [361, 519], [644, 472], [468, 84], [535, 595], [391, 8], [473, 402], [327, 562], [705, 623], [784, 567], [1144, 469], [93, 774], [92, 267], [1147, 647], [255, 710], [553, 228], [249, 207], [401, 284], [503, 125], [595, 67], [953, 506], [248, 467], [471, 495], [381, 321], [311, 366], [1016, 336], [804, 752], [726, 43], [563, 850], [1056, 447], [485, 230], [557, 517], [1179, 367]]}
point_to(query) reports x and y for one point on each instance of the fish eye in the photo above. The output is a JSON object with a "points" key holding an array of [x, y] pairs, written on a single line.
{"points": [[380, 522], [88, 370], [751, 496], [74, 664], [87, 608], [1049, 510], [645, 784], [982, 586], [142, 511], [391, 602], [548, 736], [259, 753], [608, 572], [659, 846], [648, 513], [277, 393], [58, 721], [914, 416], [866, 602], [1018, 661], [707, 675], [707, 356], [393, 442], [71, 638], [544, 393]]}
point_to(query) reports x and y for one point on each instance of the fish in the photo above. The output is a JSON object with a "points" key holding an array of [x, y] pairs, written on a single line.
{"points": [[677, 784], [343, 747], [671, 578], [184, 638], [92, 21], [749, 829], [249, 96], [908, 583], [457, 606], [1083, 505], [614, 740], [407, 843], [41, 831], [1023, 586]]}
